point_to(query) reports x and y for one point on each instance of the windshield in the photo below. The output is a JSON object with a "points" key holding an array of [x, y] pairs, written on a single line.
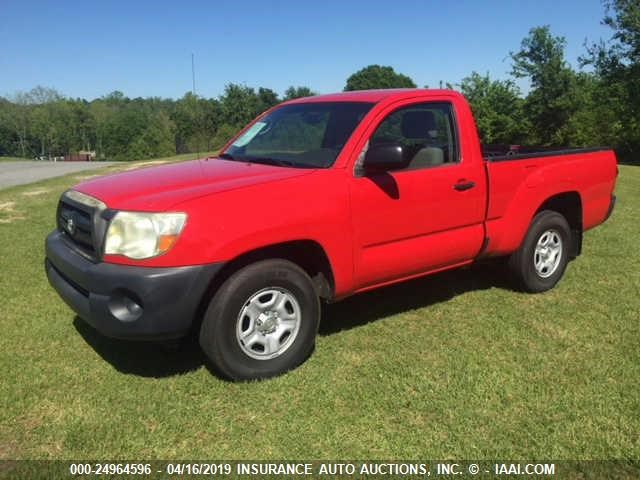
{"points": [[305, 135]]}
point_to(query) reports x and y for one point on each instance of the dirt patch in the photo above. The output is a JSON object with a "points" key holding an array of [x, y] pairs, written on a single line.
{"points": [[9, 450], [81, 178], [11, 219], [33, 193], [8, 213], [145, 164]]}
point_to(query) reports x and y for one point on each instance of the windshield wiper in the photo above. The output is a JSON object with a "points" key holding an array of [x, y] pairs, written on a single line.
{"points": [[266, 161], [272, 161]]}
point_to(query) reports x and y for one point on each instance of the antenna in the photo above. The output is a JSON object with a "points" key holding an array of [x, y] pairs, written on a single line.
{"points": [[195, 100]]}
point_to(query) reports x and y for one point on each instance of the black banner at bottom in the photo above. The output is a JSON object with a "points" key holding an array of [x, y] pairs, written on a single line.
{"points": [[312, 469]]}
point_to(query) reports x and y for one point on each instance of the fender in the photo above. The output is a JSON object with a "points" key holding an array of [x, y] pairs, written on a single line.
{"points": [[226, 225], [534, 184]]}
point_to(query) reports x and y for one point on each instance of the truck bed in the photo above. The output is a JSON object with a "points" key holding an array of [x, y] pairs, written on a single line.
{"points": [[519, 183]]}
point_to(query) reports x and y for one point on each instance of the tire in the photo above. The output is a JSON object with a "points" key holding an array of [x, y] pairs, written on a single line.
{"points": [[262, 321], [542, 258]]}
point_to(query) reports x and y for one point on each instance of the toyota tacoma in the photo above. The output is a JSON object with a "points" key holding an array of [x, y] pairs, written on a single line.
{"points": [[317, 199]]}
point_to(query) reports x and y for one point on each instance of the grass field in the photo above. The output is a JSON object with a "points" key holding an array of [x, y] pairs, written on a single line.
{"points": [[453, 366], [14, 159]]}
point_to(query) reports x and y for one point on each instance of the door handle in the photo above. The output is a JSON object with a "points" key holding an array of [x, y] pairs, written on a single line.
{"points": [[462, 186]]}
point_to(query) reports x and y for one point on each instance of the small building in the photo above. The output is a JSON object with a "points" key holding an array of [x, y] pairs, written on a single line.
{"points": [[81, 156]]}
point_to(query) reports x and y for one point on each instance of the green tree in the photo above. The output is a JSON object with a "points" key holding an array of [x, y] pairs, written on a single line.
{"points": [[17, 118], [100, 113], [552, 99], [238, 105], [376, 76], [44, 122], [125, 125], [223, 135], [594, 123], [157, 139], [298, 92], [188, 117], [498, 109], [79, 131], [210, 117], [617, 65], [267, 98], [8, 138], [64, 135]]}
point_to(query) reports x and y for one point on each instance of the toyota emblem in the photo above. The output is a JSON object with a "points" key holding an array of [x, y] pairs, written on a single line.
{"points": [[71, 226]]}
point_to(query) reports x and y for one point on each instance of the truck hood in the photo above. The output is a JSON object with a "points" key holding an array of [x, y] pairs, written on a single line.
{"points": [[159, 188]]}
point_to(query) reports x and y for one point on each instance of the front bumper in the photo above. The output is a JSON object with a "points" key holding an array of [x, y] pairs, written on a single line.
{"points": [[125, 301]]}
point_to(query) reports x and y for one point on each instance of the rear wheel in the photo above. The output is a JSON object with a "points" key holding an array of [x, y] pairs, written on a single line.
{"points": [[542, 258], [262, 321]]}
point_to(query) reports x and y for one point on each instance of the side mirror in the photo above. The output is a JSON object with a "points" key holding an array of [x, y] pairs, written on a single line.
{"points": [[381, 158]]}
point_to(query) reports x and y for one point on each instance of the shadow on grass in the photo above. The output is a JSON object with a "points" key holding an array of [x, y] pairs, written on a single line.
{"points": [[380, 303], [145, 359]]}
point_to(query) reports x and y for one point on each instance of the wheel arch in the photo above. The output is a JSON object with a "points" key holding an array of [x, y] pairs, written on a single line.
{"points": [[569, 205], [307, 254]]}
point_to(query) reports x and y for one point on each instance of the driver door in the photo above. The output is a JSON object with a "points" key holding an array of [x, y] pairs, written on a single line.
{"points": [[426, 216]]}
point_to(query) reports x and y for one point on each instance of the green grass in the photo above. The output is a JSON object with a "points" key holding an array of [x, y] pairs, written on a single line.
{"points": [[14, 159], [452, 366], [176, 158]]}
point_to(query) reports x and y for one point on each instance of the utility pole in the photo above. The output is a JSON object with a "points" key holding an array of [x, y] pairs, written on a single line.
{"points": [[193, 74]]}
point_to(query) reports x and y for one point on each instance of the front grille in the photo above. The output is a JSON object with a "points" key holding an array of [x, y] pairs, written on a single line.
{"points": [[79, 219]]}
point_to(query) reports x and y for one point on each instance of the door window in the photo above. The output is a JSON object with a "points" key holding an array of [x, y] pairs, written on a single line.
{"points": [[426, 132]]}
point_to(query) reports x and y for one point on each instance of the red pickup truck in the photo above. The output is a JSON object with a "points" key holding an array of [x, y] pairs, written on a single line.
{"points": [[317, 199]]}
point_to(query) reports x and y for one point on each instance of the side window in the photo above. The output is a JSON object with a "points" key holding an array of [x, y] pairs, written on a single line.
{"points": [[426, 132]]}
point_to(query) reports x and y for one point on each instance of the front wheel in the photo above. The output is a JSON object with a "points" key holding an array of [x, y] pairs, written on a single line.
{"points": [[542, 258], [262, 321]]}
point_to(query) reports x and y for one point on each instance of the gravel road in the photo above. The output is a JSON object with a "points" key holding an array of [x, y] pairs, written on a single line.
{"points": [[20, 173]]}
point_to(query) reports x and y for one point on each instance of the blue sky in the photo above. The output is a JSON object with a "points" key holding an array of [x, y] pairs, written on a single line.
{"points": [[143, 48]]}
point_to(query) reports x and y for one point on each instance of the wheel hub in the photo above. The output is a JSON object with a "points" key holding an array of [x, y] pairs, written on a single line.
{"points": [[548, 253], [267, 322]]}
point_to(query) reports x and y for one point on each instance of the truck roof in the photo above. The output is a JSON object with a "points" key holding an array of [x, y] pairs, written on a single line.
{"points": [[373, 95]]}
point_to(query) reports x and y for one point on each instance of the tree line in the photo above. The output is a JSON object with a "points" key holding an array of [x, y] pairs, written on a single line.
{"points": [[593, 106], [42, 122]]}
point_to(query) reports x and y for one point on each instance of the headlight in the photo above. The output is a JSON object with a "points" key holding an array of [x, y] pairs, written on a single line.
{"points": [[143, 235]]}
